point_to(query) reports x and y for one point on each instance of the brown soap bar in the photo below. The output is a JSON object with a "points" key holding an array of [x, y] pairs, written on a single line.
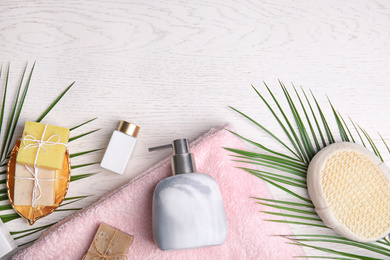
{"points": [[109, 242]]}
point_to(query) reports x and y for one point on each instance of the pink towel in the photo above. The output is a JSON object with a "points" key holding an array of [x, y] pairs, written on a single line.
{"points": [[129, 209]]}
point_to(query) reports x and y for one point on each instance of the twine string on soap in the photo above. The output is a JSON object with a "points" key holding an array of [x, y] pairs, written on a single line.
{"points": [[36, 187], [104, 256], [40, 144]]}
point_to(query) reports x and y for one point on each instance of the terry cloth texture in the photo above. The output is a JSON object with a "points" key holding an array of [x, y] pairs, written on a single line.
{"points": [[129, 208]]}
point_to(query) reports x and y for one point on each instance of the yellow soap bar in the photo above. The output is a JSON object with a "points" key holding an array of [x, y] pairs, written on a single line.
{"points": [[109, 243], [24, 185], [50, 155]]}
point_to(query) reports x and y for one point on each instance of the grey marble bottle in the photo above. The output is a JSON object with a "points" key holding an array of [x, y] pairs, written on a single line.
{"points": [[188, 210]]}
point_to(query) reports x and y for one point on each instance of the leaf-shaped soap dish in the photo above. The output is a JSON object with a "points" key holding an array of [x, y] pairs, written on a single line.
{"points": [[29, 213], [350, 189]]}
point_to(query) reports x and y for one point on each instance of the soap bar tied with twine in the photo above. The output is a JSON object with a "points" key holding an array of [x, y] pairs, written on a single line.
{"points": [[43, 146], [30, 141], [109, 244]]}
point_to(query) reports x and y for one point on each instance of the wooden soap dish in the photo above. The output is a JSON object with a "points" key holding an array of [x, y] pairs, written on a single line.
{"points": [[29, 213]]}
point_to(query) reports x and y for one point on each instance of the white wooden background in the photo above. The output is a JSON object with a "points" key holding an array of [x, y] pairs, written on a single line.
{"points": [[174, 67]]}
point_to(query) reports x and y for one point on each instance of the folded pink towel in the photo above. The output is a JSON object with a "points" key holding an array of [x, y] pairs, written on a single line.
{"points": [[129, 209]]}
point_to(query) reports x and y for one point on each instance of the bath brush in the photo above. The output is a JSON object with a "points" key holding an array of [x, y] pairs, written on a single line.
{"points": [[350, 189]]}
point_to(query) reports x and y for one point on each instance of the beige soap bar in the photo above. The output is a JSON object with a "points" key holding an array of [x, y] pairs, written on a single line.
{"points": [[109, 243], [23, 189]]}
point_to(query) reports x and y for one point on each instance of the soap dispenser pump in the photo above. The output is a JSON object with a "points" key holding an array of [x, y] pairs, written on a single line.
{"points": [[188, 210]]}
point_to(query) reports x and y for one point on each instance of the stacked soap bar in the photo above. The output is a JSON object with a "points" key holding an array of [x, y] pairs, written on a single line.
{"points": [[41, 154], [109, 243], [51, 156], [24, 185]]}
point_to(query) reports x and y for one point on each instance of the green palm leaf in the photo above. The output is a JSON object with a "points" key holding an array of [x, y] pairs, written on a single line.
{"points": [[4, 97], [54, 103], [324, 122], [292, 136], [14, 115], [7, 132], [286, 202], [307, 136], [316, 122]]}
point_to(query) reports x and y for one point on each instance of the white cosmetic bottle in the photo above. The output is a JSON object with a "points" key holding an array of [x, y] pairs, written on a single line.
{"points": [[188, 210], [7, 243], [120, 147]]}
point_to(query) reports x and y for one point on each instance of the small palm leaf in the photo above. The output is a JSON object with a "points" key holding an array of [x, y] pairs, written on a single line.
{"points": [[7, 132], [287, 173]]}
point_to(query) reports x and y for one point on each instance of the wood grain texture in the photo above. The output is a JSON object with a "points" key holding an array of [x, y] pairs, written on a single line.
{"points": [[174, 67]]}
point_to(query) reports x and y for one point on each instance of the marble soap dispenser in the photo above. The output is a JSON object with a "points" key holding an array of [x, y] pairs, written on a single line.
{"points": [[188, 210]]}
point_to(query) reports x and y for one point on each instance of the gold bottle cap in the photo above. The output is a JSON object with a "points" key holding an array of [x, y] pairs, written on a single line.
{"points": [[128, 128]]}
